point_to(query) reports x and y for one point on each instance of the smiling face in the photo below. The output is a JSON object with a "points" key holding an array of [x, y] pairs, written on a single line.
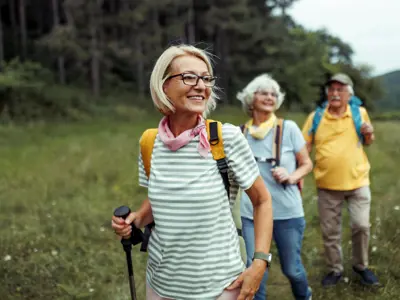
{"points": [[265, 101], [187, 98], [338, 95]]}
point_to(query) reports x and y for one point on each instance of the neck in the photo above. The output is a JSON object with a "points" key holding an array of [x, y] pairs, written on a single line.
{"points": [[337, 111], [179, 123], [261, 117]]}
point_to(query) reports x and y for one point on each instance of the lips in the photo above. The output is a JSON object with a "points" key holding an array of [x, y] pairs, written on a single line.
{"points": [[268, 103], [196, 97]]}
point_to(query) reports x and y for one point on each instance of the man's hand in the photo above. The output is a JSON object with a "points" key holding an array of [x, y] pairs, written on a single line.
{"points": [[367, 128], [249, 281]]}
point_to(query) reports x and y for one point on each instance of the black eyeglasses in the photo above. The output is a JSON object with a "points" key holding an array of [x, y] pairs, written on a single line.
{"points": [[193, 79]]}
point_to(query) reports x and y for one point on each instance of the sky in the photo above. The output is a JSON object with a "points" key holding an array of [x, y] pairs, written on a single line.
{"points": [[371, 27]]}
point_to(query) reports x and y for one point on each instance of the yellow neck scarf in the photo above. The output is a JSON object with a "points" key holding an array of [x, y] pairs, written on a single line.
{"points": [[261, 131]]}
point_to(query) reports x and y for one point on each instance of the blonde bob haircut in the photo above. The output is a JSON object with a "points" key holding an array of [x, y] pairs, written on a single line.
{"points": [[263, 82], [161, 72]]}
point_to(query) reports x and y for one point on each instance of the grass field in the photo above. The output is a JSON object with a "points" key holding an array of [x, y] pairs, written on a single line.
{"points": [[59, 184]]}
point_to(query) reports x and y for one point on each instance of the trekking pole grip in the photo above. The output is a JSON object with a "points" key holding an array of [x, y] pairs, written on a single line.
{"points": [[136, 235]]}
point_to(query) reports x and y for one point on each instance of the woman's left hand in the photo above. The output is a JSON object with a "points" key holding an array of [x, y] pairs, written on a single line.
{"points": [[249, 281]]}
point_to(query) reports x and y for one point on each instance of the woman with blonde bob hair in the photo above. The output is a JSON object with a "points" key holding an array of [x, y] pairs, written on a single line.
{"points": [[281, 169], [194, 247]]}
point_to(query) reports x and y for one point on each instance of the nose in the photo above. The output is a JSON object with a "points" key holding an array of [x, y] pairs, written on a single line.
{"points": [[335, 92], [200, 85]]}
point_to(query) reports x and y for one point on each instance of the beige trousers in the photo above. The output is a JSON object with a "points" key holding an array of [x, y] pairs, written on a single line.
{"points": [[226, 295], [330, 213]]}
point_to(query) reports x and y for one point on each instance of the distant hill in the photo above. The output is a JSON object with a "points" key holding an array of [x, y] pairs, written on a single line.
{"points": [[391, 87]]}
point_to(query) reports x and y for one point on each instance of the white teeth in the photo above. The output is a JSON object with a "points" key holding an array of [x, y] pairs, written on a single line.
{"points": [[196, 98]]}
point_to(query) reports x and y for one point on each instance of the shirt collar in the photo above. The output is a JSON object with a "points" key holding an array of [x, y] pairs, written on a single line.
{"points": [[346, 114]]}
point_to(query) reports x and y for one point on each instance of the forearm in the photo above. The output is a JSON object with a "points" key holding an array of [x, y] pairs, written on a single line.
{"points": [[263, 224], [301, 171], [144, 214]]}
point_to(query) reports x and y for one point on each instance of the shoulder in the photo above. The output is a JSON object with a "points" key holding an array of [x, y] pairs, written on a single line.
{"points": [[290, 125], [311, 115], [363, 110], [230, 131], [291, 131]]}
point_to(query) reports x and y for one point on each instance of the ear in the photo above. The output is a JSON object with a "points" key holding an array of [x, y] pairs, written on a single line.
{"points": [[165, 86]]}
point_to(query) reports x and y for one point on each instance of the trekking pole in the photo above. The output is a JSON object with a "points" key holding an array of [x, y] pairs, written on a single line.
{"points": [[136, 238]]}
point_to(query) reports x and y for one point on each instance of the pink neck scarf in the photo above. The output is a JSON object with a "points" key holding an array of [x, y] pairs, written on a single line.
{"points": [[175, 143]]}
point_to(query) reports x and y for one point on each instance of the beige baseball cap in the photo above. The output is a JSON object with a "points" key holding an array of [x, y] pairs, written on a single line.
{"points": [[342, 78]]}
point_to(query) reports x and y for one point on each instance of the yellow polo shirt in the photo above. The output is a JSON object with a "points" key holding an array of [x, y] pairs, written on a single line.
{"points": [[340, 160]]}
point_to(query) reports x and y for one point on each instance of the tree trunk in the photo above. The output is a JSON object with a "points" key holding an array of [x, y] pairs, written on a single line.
{"points": [[13, 25], [222, 53], [139, 64], [94, 47], [60, 59], [191, 38], [24, 36], [1, 41]]}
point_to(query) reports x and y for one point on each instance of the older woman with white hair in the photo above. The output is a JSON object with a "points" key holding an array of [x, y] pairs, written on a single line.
{"points": [[194, 247], [281, 153]]}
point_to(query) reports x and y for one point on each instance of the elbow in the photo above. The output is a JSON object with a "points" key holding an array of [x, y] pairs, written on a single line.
{"points": [[310, 166], [309, 147], [307, 165]]}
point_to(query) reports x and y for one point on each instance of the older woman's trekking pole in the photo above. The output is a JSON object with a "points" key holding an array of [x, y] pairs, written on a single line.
{"points": [[136, 238]]}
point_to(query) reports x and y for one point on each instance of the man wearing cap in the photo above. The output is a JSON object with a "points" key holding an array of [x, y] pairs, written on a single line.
{"points": [[342, 174]]}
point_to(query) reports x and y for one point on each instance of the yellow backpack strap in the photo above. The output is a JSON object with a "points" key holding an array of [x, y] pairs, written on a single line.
{"points": [[146, 148], [214, 133]]}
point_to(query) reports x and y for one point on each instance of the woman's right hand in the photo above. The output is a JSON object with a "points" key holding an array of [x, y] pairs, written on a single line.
{"points": [[123, 227]]}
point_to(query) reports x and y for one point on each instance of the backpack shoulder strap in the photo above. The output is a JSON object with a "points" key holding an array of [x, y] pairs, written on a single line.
{"points": [[146, 148], [242, 128], [357, 119], [214, 132], [318, 114], [277, 143]]}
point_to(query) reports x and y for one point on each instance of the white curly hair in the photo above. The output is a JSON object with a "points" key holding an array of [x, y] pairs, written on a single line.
{"points": [[263, 82]]}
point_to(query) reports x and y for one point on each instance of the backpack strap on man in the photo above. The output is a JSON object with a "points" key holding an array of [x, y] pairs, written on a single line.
{"points": [[214, 132], [355, 104], [319, 112]]}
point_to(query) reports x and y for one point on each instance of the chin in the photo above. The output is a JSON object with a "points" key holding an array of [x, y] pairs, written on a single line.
{"points": [[335, 104], [196, 109], [267, 110]]}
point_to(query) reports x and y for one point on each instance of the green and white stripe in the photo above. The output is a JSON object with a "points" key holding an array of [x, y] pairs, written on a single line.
{"points": [[194, 249]]}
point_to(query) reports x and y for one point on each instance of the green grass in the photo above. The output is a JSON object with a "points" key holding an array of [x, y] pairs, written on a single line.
{"points": [[59, 184]]}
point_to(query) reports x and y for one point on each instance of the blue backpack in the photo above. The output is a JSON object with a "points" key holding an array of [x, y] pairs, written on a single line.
{"points": [[354, 103]]}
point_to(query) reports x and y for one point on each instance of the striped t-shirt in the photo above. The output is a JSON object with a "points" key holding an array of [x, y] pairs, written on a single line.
{"points": [[194, 248]]}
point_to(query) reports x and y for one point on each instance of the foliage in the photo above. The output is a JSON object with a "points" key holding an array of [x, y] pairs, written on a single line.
{"points": [[103, 45]]}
